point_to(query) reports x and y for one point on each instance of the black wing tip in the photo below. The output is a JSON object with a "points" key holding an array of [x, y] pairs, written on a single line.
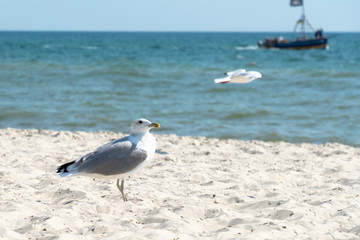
{"points": [[63, 168]]}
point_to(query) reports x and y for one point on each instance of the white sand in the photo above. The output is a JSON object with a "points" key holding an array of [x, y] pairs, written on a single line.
{"points": [[195, 188]]}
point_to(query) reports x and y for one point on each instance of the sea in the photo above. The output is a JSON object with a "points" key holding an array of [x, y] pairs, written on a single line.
{"points": [[102, 81]]}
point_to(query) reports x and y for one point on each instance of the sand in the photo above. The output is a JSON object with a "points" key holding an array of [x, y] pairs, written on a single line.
{"points": [[195, 188]]}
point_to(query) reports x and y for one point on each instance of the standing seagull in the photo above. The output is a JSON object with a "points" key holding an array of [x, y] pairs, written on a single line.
{"points": [[239, 76], [117, 159]]}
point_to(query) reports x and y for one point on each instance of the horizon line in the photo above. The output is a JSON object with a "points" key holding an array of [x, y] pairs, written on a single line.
{"points": [[166, 31]]}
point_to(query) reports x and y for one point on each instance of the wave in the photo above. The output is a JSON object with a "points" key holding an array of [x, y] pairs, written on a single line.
{"points": [[246, 115], [218, 90], [90, 47], [345, 75], [248, 47]]}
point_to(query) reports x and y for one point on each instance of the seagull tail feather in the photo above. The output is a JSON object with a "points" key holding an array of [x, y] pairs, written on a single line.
{"points": [[63, 169]]}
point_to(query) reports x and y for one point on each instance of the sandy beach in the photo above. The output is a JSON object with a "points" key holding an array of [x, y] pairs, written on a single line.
{"points": [[195, 188]]}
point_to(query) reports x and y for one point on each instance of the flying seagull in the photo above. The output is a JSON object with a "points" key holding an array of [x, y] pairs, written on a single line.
{"points": [[239, 76], [117, 159]]}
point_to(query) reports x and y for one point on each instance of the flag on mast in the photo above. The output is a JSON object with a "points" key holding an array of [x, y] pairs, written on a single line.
{"points": [[295, 3]]}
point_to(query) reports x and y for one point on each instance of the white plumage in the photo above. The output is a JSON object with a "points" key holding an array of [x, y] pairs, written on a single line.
{"points": [[239, 76]]}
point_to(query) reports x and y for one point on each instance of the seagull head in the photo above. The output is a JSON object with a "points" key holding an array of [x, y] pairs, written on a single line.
{"points": [[142, 126]]}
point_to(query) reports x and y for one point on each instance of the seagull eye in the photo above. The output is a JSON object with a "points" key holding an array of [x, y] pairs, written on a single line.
{"points": [[140, 122]]}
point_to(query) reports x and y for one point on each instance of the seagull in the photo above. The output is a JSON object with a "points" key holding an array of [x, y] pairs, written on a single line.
{"points": [[117, 159], [239, 76]]}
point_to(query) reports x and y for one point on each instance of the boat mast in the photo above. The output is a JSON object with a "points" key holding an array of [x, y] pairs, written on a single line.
{"points": [[303, 20]]}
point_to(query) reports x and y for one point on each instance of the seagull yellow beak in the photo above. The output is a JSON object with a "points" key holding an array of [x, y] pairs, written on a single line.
{"points": [[155, 125]]}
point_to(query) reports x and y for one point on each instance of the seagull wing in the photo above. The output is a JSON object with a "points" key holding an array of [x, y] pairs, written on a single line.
{"points": [[114, 158], [235, 72]]}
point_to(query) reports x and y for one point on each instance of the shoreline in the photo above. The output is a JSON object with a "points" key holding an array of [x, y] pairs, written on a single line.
{"points": [[194, 188], [156, 133]]}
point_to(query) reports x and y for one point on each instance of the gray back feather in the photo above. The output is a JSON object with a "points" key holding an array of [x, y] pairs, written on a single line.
{"points": [[114, 158]]}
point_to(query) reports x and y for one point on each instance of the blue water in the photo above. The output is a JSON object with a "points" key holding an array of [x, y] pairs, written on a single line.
{"points": [[102, 81]]}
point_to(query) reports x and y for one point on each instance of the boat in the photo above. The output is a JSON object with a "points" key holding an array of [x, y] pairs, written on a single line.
{"points": [[301, 42]]}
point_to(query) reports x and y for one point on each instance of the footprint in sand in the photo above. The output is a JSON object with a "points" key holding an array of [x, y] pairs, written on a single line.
{"points": [[281, 214], [103, 209]]}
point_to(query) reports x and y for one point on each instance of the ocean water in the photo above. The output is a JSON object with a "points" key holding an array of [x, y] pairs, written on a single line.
{"points": [[102, 81]]}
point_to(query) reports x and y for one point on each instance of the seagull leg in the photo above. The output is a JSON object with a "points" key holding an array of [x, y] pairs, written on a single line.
{"points": [[121, 188]]}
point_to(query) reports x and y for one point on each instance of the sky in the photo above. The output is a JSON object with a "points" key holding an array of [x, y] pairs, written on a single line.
{"points": [[176, 15]]}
